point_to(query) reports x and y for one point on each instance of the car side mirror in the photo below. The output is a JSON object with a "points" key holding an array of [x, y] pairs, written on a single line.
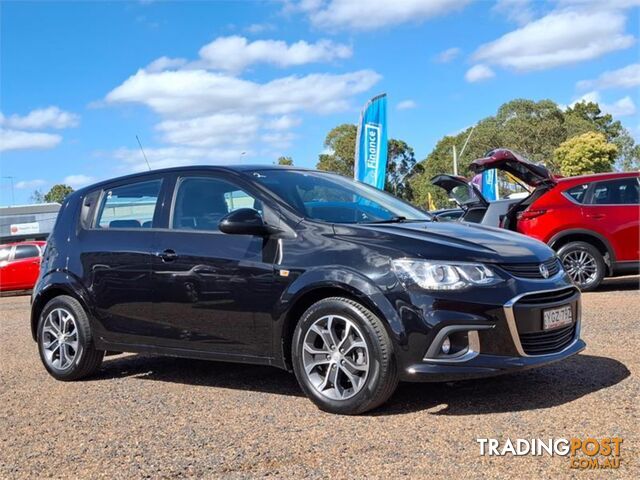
{"points": [[245, 221]]}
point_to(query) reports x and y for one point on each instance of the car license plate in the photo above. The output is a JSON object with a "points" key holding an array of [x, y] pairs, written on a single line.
{"points": [[556, 317]]}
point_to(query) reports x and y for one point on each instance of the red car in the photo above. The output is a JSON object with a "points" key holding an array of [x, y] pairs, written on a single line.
{"points": [[20, 265], [592, 221]]}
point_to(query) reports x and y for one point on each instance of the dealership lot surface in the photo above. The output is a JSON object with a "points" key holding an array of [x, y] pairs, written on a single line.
{"points": [[152, 416]]}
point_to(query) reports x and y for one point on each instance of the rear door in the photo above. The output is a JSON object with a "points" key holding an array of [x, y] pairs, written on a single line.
{"points": [[7, 278], [215, 292], [25, 266], [116, 251], [613, 210]]}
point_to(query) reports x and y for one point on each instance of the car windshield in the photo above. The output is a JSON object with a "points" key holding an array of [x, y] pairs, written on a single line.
{"points": [[332, 198]]}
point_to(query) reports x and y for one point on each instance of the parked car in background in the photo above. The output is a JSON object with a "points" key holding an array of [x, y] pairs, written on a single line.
{"points": [[592, 221], [448, 214], [350, 288], [20, 265]]}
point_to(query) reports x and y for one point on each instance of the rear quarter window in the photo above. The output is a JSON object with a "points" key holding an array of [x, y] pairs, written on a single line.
{"points": [[578, 193], [129, 206]]}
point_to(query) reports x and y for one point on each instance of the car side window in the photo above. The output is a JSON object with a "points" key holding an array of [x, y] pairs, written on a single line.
{"points": [[578, 193], [625, 191], [4, 253], [129, 206], [201, 202], [26, 251]]}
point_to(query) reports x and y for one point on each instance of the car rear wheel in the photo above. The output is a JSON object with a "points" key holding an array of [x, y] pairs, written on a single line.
{"points": [[584, 264], [65, 342], [343, 357]]}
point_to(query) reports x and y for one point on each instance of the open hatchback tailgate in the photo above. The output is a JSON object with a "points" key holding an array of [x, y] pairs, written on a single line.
{"points": [[464, 193], [518, 166]]}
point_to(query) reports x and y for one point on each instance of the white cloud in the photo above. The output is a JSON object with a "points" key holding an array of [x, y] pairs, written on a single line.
{"points": [[164, 157], [208, 115], [30, 184], [256, 28], [448, 55], [79, 180], [19, 140], [620, 108], [236, 53], [477, 73], [50, 117], [626, 77], [518, 11], [359, 15], [285, 122], [165, 63], [560, 38], [211, 130], [406, 105], [190, 93]]}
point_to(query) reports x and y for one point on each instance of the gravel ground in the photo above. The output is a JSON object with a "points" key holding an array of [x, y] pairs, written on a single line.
{"points": [[144, 416]]}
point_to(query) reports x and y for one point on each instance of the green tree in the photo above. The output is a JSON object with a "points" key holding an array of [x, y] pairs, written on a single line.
{"points": [[401, 165], [340, 146], [37, 196], [586, 117], [628, 152], [285, 161], [57, 193], [534, 129], [585, 154]]}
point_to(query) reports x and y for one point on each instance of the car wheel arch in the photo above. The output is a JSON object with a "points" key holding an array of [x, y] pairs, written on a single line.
{"points": [[588, 236], [313, 293], [50, 292]]}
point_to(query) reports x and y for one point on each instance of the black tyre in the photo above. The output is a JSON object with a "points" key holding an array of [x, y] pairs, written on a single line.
{"points": [[343, 357], [65, 342], [584, 264]]}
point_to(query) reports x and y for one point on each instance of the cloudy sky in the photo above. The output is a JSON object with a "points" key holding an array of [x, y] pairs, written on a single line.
{"points": [[230, 82]]}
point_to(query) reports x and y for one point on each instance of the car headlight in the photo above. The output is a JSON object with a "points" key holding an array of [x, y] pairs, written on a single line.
{"points": [[437, 275]]}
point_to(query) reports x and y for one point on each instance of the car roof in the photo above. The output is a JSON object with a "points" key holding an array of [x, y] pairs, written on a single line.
{"points": [[597, 176], [28, 242], [191, 168]]}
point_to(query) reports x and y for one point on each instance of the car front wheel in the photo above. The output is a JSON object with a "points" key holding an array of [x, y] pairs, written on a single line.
{"points": [[584, 264], [343, 357]]}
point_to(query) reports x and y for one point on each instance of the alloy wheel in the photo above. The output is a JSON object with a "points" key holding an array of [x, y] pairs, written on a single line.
{"points": [[581, 266], [60, 339], [335, 357]]}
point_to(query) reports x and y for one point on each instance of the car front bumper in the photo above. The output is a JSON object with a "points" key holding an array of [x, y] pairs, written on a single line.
{"points": [[485, 365], [501, 338]]}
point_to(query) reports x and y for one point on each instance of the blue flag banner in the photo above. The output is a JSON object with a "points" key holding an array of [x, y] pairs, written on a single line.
{"points": [[371, 143], [490, 184]]}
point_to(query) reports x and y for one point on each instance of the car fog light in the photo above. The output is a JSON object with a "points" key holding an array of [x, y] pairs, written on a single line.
{"points": [[446, 346]]}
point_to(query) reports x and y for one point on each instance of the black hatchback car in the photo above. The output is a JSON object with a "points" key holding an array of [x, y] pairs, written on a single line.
{"points": [[349, 287]]}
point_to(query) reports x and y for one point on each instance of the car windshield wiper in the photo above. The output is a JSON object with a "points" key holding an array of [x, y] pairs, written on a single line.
{"points": [[397, 219]]}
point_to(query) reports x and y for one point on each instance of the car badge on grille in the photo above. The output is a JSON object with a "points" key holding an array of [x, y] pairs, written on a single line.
{"points": [[544, 271]]}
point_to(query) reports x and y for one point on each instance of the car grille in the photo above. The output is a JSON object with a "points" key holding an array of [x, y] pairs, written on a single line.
{"points": [[532, 270], [547, 297], [541, 343]]}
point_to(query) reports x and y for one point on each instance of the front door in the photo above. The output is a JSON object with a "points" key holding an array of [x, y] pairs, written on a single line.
{"points": [[612, 210], [217, 291]]}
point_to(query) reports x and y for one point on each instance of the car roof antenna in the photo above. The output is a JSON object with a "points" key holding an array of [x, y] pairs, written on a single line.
{"points": [[143, 154]]}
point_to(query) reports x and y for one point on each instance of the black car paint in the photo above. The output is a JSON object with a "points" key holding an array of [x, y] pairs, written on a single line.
{"points": [[237, 297]]}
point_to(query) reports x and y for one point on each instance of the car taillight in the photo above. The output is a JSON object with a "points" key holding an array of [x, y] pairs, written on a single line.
{"points": [[529, 214]]}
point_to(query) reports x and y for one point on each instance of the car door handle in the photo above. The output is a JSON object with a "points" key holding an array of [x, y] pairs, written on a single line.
{"points": [[596, 216], [168, 255]]}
